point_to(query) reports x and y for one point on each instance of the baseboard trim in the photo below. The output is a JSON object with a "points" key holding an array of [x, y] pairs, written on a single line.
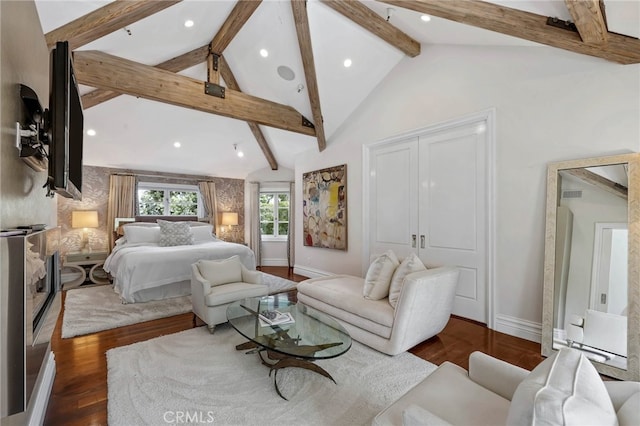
{"points": [[518, 327], [274, 262], [39, 409], [305, 271]]}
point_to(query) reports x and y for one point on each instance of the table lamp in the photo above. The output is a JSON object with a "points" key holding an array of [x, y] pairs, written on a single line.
{"points": [[229, 219], [84, 219]]}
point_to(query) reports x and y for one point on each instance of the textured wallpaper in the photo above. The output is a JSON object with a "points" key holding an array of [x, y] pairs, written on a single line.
{"points": [[95, 196]]}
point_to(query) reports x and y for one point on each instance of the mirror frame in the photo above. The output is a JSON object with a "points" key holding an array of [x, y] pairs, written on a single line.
{"points": [[633, 285]]}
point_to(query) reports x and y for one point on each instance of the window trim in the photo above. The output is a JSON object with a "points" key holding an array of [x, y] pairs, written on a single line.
{"points": [[158, 186], [270, 237]]}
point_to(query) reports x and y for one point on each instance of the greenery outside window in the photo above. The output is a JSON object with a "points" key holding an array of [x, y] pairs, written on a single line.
{"points": [[274, 215], [168, 200]]}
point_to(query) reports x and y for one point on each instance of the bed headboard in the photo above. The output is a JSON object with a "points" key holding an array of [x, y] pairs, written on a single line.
{"points": [[148, 218]]}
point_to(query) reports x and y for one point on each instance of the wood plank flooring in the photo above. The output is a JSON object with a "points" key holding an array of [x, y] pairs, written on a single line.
{"points": [[79, 394]]}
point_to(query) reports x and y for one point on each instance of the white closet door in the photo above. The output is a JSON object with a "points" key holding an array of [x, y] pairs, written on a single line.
{"points": [[453, 211], [393, 204]]}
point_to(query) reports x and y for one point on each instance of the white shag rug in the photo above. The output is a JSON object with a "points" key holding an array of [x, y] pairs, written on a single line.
{"points": [[93, 309], [202, 378]]}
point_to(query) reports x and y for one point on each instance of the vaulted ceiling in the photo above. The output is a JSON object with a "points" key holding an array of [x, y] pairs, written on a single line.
{"points": [[149, 81]]}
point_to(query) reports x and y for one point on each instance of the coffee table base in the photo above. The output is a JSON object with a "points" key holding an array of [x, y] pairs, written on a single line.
{"points": [[282, 361]]}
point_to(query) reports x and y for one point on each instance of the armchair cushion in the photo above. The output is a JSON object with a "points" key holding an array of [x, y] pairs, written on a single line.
{"points": [[409, 265], [231, 292], [563, 389], [378, 279], [223, 271]]}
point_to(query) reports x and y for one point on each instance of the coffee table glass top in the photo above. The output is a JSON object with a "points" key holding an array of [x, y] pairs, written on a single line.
{"points": [[313, 335]]}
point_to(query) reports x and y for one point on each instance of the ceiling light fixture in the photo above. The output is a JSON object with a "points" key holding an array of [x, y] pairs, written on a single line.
{"points": [[188, 23], [390, 11], [177, 144], [286, 73], [91, 132], [238, 153], [347, 63], [425, 18], [264, 53]]}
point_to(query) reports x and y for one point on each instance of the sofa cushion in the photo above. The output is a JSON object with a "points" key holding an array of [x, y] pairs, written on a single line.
{"points": [[223, 271], [232, 292], [414, 415], [563, 389], [410, 264], [629, 413], [378, 279]]}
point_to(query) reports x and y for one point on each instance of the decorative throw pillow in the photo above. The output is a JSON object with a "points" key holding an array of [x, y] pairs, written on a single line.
{"points": [[376, 283], [221, 271], [202, 234], [142, 234], [175, 234], [565, 389], [409, 265]]}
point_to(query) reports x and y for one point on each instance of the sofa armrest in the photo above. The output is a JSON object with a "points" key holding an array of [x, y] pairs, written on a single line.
{"points": [[198, 279], [495, 375], [251, 277]]}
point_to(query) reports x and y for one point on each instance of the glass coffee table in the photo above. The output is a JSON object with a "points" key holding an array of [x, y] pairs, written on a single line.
{"points": [[312, 336]]}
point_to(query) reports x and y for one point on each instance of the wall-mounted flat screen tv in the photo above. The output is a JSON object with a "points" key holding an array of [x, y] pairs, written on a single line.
{"points": [[66, 126]]}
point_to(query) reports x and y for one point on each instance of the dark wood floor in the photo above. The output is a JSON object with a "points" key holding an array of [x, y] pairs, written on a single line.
{"points": [[79, 395]]}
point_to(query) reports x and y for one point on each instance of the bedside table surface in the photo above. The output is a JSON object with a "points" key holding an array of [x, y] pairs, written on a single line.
{"points": [[95, 256]]}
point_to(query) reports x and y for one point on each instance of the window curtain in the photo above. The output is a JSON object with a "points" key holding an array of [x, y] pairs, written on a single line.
{"points": [[210, 199], [291, 237], [122, 201], [254, 213]]}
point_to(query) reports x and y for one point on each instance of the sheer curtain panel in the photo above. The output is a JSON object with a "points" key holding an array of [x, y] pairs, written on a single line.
{"points": [[291, 237], [122, 201], [210, 200], [254, 213]]}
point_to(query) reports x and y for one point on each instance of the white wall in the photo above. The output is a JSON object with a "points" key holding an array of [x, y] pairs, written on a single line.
{"points": [[551, 105]]}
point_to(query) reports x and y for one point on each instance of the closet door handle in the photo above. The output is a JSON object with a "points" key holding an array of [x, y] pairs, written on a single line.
{"points": [[413, 240], [422, 238]]}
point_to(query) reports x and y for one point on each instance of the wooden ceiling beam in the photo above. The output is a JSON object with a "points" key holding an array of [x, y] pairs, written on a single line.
{"points": [[525, 25], [590, 21], [103, 71], [600, 182], [239, 15], [232, 83], [375, 24], [177, 64], [105, 20], [299, 9]]}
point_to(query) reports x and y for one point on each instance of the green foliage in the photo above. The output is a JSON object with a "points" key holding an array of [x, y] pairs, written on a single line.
{"points": [[179, 203], [274, 214]]}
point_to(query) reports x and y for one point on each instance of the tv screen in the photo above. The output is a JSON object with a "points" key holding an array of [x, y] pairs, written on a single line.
{"points": [[66, 126]]}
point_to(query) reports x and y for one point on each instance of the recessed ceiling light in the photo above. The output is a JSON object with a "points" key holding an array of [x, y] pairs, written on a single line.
{"points": [[188, 23], [240, 154], [177, 144], [91, 132], [425, 18], [264, 53], [347, 63]]}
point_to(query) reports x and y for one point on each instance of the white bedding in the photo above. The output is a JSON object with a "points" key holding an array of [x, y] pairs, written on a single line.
{"points": [[138, 268]]}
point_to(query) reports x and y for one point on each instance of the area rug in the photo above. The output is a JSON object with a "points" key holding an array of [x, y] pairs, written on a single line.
{"points": [[201, 377], [93, 309]]}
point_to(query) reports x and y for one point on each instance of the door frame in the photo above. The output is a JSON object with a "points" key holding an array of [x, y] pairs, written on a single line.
{"points": [[486, 117]]}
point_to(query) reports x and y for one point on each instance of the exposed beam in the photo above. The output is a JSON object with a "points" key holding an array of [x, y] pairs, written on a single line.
{"points": [[590, 21], [213, 68], [299, 9], [103, 21], [232, 83], [600, 182], [240, 14], [177, 64], [374, 23], [103, 71], [525, 25]]}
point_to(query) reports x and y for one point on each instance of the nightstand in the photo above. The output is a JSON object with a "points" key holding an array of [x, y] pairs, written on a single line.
{"points": [[90, 265]]}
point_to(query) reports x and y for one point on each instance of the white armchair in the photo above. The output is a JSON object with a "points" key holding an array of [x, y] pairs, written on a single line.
{"points": [[215, 284]]}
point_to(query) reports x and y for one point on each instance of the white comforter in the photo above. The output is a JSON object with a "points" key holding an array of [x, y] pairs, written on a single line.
{"points": [[137, 267]]}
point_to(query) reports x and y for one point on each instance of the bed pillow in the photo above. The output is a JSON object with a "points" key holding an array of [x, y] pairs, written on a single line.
{"points": [[409, 265], [223, 271], [202, 234], [175, 234], [564, 389], [142, 234], [378, 279]]}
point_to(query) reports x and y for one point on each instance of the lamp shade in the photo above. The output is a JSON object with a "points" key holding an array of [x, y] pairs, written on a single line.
{"points": [[84, 219], [229, 218]]}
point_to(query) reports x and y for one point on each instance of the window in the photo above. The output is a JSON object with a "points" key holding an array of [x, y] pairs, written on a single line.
{"points": [[168, 200], [274, 214]]}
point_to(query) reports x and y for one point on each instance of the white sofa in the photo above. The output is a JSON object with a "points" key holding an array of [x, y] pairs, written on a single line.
{"points": [[495, 392], [423, 307], [599, 330]]}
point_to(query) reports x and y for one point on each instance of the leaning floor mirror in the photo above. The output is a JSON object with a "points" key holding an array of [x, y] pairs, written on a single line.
{"points": [[592, 262]]}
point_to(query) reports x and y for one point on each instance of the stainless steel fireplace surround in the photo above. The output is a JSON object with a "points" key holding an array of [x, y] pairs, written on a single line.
{"points": [[29, 304]]}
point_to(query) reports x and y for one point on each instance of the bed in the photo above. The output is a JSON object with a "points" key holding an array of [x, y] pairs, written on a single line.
{"points": [[143, 269]]}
